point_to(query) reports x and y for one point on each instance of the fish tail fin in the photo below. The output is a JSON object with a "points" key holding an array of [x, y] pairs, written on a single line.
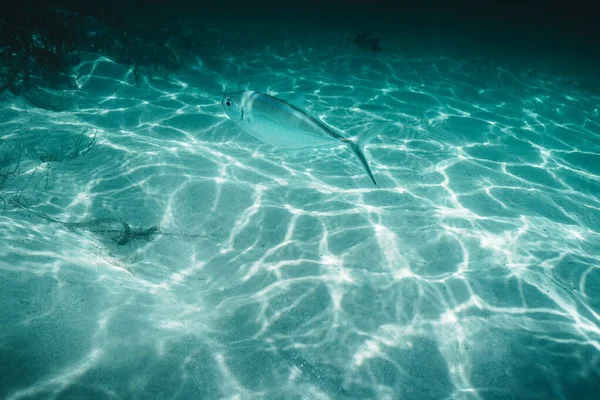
{"points": [[357, 144], [363, 160]]}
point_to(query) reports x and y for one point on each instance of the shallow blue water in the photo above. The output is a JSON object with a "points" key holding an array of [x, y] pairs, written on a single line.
{"points": [[471, 271]]}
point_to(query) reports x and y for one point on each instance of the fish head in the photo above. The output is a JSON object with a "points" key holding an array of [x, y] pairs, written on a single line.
{"points": [[233, 104]]}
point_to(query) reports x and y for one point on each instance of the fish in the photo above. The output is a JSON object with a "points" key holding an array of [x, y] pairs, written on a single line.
{"points": [[276, 122]]}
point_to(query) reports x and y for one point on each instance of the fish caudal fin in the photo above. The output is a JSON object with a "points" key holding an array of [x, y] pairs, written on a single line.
{"points": [[363, 160], [358, 143]]}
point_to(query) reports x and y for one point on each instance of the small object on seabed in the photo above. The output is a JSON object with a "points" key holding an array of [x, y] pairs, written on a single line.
{"points": [[367, 41]]}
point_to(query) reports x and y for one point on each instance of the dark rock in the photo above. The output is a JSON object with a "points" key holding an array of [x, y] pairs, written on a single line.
{"points": [[367, 42]]}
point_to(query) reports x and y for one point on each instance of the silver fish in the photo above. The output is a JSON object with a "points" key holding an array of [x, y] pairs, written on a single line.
{"points": [[281, 124]]}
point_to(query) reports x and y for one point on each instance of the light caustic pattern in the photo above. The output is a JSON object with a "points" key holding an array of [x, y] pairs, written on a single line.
{"points": [[471, 271]]}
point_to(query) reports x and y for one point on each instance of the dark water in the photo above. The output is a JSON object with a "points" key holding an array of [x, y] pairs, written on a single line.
{"points": [[149, 248]]}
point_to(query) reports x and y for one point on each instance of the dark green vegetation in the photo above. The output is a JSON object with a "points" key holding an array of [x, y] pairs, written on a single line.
{"points": [[40, 45], [119, 232], [27, 174], [72, 149], [16, 181], [10, 161], [40, 48], [21, 196]]}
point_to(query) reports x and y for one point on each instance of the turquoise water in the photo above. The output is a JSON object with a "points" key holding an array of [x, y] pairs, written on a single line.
{"points": [[151, 249]]}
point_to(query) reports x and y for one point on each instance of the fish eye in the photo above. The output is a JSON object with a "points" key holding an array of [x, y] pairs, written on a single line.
{"points": [[228, 103]]}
